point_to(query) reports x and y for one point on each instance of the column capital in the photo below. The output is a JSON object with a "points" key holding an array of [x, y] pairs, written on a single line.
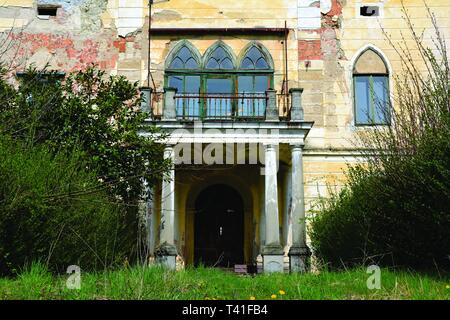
{"points": [[170, 89], [145, 88], [169, 147], [291, 90], [296, 146], [169, 152], [269, 146]]}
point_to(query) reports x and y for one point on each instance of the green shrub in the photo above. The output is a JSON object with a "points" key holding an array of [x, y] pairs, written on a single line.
{"points": [[399, 216], [53, 210], [395, 208], [71, 168], [87, 110]]}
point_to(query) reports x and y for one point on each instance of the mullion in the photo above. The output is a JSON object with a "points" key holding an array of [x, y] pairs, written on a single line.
{"points": [[371, 100], [234, 76]]}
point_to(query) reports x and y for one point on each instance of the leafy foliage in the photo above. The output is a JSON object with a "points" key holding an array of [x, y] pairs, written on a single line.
{"points": [[394, 209], [99, 116], [72, 164], [53, 209]]}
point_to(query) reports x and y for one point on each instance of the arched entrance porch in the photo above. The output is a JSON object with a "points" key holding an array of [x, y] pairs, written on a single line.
{"points": [[241, 188]]}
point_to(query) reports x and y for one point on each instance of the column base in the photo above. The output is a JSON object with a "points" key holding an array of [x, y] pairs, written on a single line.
{"points": [[299, 259], [272, 258], [166, 256]]}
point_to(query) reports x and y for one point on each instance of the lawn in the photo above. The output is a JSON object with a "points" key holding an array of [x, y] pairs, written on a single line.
{"points": [[203, 283]]}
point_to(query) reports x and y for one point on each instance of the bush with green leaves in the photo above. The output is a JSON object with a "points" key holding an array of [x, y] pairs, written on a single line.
{"points": [[54, 210], [395, 207], [97, 114], [72, 165]]}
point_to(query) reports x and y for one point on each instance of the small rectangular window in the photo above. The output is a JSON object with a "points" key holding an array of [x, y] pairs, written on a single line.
{"points": [[369, 11], [47, 10]]}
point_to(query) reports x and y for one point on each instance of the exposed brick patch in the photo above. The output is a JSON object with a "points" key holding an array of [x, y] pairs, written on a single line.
{"points": [[309, 50], [336, 8], [69, 53], [331, 19], [120, 44]]}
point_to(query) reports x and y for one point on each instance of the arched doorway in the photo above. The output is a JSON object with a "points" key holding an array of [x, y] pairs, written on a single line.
{"points": [[219, 227]]}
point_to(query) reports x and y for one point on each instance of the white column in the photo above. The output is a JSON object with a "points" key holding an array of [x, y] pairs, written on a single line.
{"points": [[272, 251], [166, 250], [271, 196], [151, 236], [299, 252]]}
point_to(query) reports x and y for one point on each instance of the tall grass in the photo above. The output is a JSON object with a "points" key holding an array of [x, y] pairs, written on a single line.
{"points": [[141, 282]]}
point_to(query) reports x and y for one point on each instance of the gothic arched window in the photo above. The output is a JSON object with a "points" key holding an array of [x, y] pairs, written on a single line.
{"points": [[371, 89], [184, 59], [254, 59], [219, 58], [219, 85]]}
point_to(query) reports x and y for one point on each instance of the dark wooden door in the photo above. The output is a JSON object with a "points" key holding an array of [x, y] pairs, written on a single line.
{"points": [[219, 227]]}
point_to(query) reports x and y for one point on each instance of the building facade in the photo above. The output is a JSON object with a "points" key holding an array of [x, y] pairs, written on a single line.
{"points": [[262, 101]]}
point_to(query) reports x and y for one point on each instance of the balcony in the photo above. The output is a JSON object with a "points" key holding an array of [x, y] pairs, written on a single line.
{"points": [[249, 107], [237, 107]]}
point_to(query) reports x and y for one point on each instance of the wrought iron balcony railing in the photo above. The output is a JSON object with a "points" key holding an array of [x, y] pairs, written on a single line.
{"points": [[259, 106], [240, 106]]}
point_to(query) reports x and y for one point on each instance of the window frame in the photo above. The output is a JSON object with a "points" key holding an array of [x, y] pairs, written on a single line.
{"points": [[372, 104], [205, 73]]}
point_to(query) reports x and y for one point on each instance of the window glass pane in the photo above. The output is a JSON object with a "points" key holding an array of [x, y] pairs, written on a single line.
{"points": [[254, 54], [220, 59], [219, 106], [245, 84], [192, 84], [184, 54], [219, 53], [177, 64], [362, 100], [176, 82], [247, 64], [380, 97], [226, 64], [212, 64], [261, 64], [254, 59], [252, 105], [191, 64], [184, 60], [261, 83], [218, 86], [192, 103]]}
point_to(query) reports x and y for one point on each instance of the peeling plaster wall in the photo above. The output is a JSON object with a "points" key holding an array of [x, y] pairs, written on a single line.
{"points": [[326, 57]]}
